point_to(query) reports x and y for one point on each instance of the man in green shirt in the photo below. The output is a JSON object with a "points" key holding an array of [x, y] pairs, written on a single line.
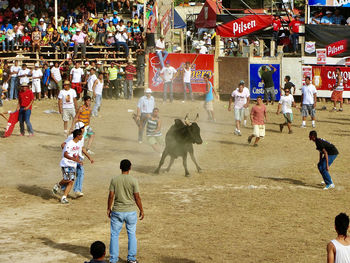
{"points": [[123, 198], [33, 20], [113, 90], [269, 86], [2, 41]]}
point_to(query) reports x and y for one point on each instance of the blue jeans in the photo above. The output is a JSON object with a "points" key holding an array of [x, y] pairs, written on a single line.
{"points": [[294, 39], [165, 90], [128, 89], [117, 220], [125, 45], [24, 116], [322, 167], [78, 184], [13, 88], [10, 43], [162, 57], [3, 45], [97, 105], [189, 87]]}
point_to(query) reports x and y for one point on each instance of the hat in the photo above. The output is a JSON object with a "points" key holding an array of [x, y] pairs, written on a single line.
{"points": [[198, 47], [148, 90], [161, 36], [99, 62], [241, 82], [115, 13], [78, 30], [110, 34], [87, 63], [90, 19], [79, 125], [329, 12], [25, 84], [66, 82], [36, 65], [201, 43], [51, 64], [41, 20], [178, 49]]}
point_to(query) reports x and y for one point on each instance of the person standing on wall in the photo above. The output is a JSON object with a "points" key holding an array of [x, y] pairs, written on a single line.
{"points": [[269, 85]]}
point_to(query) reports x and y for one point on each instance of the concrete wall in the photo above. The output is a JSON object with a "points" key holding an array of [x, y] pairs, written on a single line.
{"points": [[292, 67]]}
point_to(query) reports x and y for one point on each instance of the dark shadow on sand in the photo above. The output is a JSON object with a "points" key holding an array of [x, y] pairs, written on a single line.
{"points": [[167, 259], [48, 133], [35, 190], [119, 139], [289, 181], [146, 169], [333, 122], [231, 142], [55, 148], [75, 249]]}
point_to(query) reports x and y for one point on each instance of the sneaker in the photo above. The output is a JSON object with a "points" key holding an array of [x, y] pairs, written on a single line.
{"points": [[255, 145], [56, 188], [329, 186], [334, 109], [90, 152], [281, 127], [313, 125], [290, 132], [236, 132], [132, 261], [303, 126], [323, 183], [140, 142], [79, 194], [31, 135], [340, 109], [64, 200]]}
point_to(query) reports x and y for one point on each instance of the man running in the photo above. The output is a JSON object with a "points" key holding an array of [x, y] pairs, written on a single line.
{"points": [[328, 153], [241, 98], [67, 104], [286, 103], [84, 115], [257, 116]]}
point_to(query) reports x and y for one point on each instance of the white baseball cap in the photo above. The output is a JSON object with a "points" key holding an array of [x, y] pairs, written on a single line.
{"points": [[148, 90], [79, 125]]}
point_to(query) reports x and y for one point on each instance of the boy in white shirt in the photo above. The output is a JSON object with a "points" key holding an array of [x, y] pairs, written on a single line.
{"points": [[242, 98], [76, 77], [286, 103], [67, 104], [70, 158], [169, 74], [308, 102], [91, 81], [37, 74]]}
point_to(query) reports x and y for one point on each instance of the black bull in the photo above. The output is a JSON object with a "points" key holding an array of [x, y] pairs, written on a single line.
{"points": [[179, 141]]}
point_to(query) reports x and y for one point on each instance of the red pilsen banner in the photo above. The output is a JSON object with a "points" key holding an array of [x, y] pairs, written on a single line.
{"points": [[244, 26], [204, 64], [336, 48], [323, 77]]}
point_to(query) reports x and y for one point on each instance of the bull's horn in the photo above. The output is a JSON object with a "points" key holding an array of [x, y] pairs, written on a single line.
{"points": [[197, 117], [186, 120]]}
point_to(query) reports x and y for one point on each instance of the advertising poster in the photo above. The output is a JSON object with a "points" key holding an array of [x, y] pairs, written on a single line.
{"points": [[321, 56], [323, 77], [307, 72], [204, 64], [256, 86]]}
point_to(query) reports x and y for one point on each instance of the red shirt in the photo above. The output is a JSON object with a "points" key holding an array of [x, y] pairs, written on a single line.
{"points": [[130, 69], [294, 26], [258, 114], [26, 39], [25, 98], [276, 25]]}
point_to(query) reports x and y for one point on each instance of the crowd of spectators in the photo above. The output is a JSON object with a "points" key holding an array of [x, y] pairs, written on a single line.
{"points": [[29, 25], [328, 17]]}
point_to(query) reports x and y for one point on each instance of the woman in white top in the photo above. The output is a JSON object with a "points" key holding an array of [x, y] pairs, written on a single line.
{"points": [[97, 90], [338, 250]]}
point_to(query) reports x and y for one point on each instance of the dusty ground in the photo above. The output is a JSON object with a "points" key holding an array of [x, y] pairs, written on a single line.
{"points": [[250, 204]]}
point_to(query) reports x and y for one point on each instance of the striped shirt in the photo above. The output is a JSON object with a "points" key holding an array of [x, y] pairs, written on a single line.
{"points": [[152, 127], [129, 69], [84, 115], [113, 73]]}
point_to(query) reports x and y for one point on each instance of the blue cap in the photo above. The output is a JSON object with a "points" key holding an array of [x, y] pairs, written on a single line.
{"points": [[115, 13]]}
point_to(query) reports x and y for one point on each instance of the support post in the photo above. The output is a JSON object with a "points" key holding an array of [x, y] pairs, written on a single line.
{"points": [[146, 70], [216, 65]]}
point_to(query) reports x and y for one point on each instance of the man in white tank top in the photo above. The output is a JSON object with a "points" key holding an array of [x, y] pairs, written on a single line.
{"points": [[338, 250]]}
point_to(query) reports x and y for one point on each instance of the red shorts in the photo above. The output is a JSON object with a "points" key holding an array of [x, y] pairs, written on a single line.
{"points": [[77, 87], [337, 95]]}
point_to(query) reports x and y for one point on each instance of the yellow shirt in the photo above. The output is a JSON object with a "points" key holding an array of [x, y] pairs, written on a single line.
{"points": [[135, 20]]}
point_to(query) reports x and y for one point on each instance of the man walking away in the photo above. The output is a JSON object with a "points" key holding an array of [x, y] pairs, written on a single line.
{"points": [[269, 86], [67, 104], [286, 103], [209, 98], [25, 102], [328, 153], [257, 116], [308, 102], [130, 72], [338, 250], [123, 195]]}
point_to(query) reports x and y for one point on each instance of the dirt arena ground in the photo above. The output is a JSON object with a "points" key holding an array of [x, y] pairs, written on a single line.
{"points": [[261, 204]]}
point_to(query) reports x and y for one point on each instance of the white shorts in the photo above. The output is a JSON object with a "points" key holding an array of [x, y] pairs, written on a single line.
{"points": [[239, 114], [36, 86], [68, 114], [259, 130]]}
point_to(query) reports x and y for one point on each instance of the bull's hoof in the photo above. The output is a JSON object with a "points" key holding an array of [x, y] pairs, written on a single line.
{"points": [[199, 170], [156, 171], [187, 175]]}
